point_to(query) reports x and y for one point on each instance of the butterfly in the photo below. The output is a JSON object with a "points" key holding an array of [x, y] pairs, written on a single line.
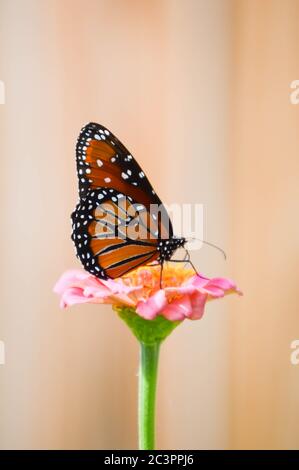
{"points": [[119, 222]]}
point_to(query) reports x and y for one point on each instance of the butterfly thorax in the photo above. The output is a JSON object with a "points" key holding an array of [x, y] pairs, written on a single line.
{"points": [[166, 248]]}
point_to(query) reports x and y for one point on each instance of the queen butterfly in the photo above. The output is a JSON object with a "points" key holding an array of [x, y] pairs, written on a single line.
{"points": [[119, 223]]}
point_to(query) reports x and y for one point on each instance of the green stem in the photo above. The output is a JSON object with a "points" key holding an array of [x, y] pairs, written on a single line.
{"points": [[150, 334], [149, 356]]}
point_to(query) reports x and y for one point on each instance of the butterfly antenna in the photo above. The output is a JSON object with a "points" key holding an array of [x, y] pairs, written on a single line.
{"points": [[210, 244]]}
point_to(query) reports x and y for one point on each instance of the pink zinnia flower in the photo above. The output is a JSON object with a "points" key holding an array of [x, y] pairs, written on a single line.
{"points": [[183, 294]]}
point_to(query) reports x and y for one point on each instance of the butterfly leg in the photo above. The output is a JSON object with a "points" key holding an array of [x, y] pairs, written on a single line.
{"points": [[161, 272], [188, 260], [185, 260]]}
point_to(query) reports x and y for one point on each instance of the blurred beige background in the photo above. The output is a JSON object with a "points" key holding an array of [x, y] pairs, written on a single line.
{"points": [[199, 91]]}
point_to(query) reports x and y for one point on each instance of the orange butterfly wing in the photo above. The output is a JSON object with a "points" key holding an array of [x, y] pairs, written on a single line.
{"points": [[120, 222]]}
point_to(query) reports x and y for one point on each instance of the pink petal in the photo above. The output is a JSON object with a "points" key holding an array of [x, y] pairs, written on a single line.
{"points": [[151, 307], [213, 291], [70, 278], [198, 281], [216, 287], [178, 309], [198, 302], [119, 287], [76, 286], [73, 296], [222, 283], [184, 289]]}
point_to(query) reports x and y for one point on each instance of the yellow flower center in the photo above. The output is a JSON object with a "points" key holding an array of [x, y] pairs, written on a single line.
{"points": [[149, 278]]}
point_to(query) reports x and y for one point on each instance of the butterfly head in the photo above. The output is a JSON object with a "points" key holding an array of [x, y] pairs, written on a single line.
{"points": [[166, 248]]}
